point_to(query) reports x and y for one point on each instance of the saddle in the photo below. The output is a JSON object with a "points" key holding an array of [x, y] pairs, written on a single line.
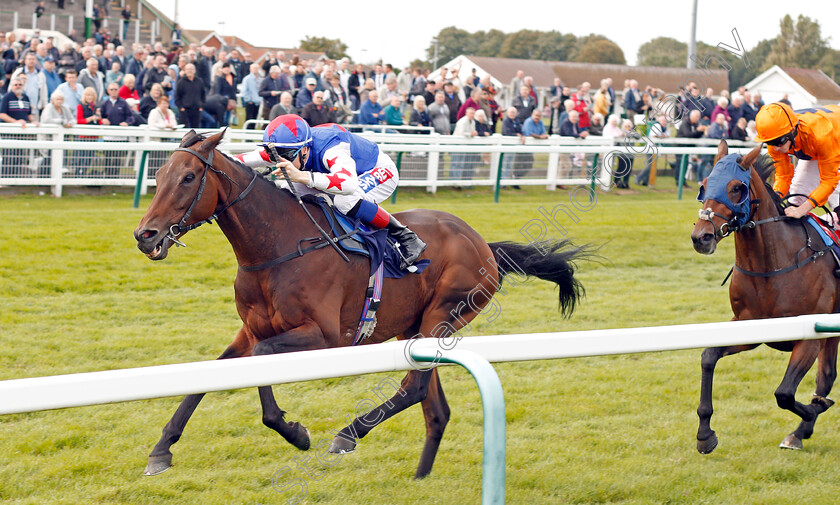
{"points": [[829, 237], [354, 237]]}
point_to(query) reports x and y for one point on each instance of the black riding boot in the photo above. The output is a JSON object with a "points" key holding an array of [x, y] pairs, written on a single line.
{"points": [[411, 247]]}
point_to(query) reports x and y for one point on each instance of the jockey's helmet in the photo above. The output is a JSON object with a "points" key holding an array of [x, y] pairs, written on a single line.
{"points": [[776, 123], [289, 133]]}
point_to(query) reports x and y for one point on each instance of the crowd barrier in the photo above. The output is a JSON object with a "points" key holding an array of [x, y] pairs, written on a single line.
{"points": [[473, 353], [56, 157]]}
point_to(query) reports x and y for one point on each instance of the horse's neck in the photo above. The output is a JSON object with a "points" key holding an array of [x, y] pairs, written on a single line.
{"points": [[254, 225], [769, 246]]}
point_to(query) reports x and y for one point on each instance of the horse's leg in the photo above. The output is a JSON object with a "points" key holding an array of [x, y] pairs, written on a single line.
{"points": [[826, 373], [706, 438], [436, 414], [801, 359], [413, 389], [160, 458], [298, 339]]}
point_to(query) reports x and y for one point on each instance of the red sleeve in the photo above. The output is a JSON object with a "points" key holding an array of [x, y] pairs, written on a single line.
{"points": [[80, 115]]}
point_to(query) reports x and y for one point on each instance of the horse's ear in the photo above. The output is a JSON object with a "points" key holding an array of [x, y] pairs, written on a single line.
{"points": [[723, 150], [189, 139], [213, 141], [747, 161]]}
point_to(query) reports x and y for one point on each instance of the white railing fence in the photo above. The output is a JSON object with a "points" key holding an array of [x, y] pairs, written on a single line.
{"points": [[94, 388], [56, 157]]}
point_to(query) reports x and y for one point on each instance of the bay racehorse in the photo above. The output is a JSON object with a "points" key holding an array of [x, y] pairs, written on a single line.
{"points": [[315, 301], [781, 269]]}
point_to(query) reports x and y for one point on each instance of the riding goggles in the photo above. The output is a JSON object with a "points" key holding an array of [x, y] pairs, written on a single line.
{"points": [[791, 135], [289, 153]]}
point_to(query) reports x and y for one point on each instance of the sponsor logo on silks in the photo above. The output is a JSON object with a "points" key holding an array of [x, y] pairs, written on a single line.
{"points": [[369, 180]]}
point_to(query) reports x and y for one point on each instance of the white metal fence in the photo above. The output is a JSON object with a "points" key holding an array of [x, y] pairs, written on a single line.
{"points": [[93, 388], [56, 157]]}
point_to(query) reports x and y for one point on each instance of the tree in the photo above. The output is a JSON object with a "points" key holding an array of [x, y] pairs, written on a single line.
{"points": [[418, 63], [662, 52], [333, 48], [555, 46], [601, 51], [830, 63], [798, 44], [451, 42], [491, 43], [522, 44]]}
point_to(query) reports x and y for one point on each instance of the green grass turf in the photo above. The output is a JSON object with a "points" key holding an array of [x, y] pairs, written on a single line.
{"points": [[76, 295]]}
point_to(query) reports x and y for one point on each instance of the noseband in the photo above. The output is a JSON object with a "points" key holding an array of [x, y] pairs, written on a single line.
{"points": [[181, 227], [733, 224]]}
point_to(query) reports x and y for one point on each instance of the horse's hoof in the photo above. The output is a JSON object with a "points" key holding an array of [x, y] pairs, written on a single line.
{"points": [[708, 445], [301, 438], [791, 442], [158, 464], [341, 445]]}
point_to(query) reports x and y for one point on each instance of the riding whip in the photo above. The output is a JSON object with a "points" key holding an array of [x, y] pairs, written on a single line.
{"points": [[275, 157]]}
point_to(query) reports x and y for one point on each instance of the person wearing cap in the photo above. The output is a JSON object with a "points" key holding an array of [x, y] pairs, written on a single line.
{"points": [[48, 80], [813, 136], [349, 168], [304, 96]]}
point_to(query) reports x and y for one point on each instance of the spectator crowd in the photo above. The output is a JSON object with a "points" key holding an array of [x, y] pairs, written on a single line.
{"points": [[102, 81]]}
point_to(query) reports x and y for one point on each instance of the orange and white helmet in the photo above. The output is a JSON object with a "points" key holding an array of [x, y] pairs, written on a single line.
{"points": [[776, 124]]}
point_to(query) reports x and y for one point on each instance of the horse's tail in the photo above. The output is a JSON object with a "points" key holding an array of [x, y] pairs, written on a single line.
{"points": [[553, 261]]}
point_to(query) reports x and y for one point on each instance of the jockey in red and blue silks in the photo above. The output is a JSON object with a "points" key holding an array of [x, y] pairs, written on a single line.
{"points": [[350, 168]]}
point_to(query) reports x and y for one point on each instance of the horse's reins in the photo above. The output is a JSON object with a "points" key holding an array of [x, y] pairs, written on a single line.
{"points": [[275, 157], [181, 227], [732, 226]]}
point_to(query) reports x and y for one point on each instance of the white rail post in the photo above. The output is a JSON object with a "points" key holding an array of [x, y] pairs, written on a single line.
{"points": [[52, 22], [434, 165], [494, 159], [138, 164], [553, 167], [56, 164]]}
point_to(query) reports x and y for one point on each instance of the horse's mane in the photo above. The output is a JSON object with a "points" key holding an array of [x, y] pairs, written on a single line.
{"points": [[764, 166], [193, 137]]}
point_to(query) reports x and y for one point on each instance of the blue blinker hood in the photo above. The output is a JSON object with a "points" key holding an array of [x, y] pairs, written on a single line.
{"points": [[725, 171]]}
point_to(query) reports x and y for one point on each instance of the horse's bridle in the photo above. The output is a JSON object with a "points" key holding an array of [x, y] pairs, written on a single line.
{"points": [[731, 225], [181, 227]]}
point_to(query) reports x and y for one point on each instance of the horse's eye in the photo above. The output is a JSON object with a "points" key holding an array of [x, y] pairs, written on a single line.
{"points": [[189, 178]]}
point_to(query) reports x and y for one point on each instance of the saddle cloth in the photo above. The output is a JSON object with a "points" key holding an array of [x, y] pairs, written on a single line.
{"points": [[828, 235], [374, 244]]}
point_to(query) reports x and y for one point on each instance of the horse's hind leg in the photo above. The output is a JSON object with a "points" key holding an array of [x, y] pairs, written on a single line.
{"points": [[413, 389], [436, 414], [160, 458], [801, 359], [826, 374], [706, 438]]}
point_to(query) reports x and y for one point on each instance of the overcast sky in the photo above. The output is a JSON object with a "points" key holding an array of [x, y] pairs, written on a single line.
{"points": [[400, 32]]}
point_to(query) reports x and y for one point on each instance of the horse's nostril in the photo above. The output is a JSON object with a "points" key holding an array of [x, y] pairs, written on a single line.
{"points": [[147, 234]]}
